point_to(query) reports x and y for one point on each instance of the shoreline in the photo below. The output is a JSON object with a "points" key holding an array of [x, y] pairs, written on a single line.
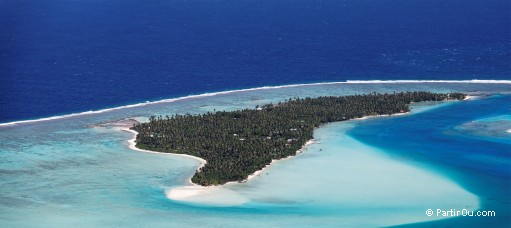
{"points": [[258, 172], [132, 145], [210, 94], [182, 193], [470, 97], [375, 116], [196, 187], [192, 189]]}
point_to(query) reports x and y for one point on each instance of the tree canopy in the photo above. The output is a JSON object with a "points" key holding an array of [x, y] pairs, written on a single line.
{"points": [[235, 144]]}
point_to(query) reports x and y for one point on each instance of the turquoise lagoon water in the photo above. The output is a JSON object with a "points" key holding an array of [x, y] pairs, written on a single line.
{"points": [[375, 172]]}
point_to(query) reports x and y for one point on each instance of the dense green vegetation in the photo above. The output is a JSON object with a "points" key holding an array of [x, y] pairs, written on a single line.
{"points": [[235, 144]]}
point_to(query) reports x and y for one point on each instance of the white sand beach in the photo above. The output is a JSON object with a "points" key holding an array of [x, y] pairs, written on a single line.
{"points": [[470, 97], [197, 193], [258, 172], [192, 191], [177, 193], [132, 145], [374, 116]]}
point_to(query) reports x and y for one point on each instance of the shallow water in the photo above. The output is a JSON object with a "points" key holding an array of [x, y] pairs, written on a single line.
{"points": [[61, 172], [465, 141], [494, 128]]}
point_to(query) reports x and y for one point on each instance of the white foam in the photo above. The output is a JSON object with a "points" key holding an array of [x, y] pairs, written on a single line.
{"points": [[475, 81]]}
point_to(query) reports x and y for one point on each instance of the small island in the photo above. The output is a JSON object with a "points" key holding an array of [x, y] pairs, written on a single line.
{"points": [[238, 143]]}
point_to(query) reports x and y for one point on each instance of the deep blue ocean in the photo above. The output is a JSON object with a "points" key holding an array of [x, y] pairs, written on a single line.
{"points": [[66, 56]]}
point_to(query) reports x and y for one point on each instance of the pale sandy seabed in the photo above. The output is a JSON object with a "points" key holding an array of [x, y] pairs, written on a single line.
{"points": [[373, 177]]}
